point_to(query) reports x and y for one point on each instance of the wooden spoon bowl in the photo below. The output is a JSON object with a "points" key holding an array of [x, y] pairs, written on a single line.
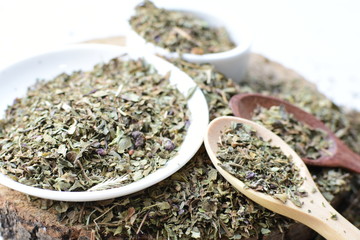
{"points": [[243, 105], [315, 212]]}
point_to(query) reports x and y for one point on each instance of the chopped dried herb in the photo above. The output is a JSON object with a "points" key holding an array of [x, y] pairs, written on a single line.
{"points": [[178, 31], [331, 182], [333, 216], [308, 142], [258, 164], [194, 203], [217, 88], [93, 130], [200, 200]]}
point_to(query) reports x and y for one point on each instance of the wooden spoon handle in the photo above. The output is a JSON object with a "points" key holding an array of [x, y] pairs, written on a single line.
{"points": [[339, 229], [319, 215]]}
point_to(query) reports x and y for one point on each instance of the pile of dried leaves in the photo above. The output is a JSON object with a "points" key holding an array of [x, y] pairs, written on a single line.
{"points": [[178, 31], [196, 202], [308, 142], [93, 130], [258, 164]]}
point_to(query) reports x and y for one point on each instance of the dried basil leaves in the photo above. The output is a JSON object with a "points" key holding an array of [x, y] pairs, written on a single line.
{"points": [[196, 197], [196, 202], [306, 141], [258, 164], [93, 130], [178, 31]]}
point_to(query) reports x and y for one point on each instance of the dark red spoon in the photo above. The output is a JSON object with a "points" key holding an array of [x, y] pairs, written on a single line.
{"points": [[243, 105]]}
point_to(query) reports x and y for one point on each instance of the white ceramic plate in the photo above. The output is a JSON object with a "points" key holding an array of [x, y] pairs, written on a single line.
{"points": [[16, 78]]}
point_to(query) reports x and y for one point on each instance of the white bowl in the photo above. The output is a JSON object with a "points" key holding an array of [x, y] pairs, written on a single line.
{"points": [[232, 63], [16, 78]]}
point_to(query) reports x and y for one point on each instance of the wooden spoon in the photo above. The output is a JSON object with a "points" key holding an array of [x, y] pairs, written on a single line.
{"points": [[315, 212], [243, 105]]}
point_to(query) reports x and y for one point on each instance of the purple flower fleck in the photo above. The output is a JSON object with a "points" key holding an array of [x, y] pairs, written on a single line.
{"points": [[250, 175], [169, 145]]}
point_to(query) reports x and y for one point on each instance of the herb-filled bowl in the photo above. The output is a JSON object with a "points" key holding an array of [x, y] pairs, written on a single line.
{"points": [[92, 122], [231, 62]]}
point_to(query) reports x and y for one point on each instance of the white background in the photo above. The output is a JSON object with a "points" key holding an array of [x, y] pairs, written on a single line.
{"points": [[319, 39]]}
